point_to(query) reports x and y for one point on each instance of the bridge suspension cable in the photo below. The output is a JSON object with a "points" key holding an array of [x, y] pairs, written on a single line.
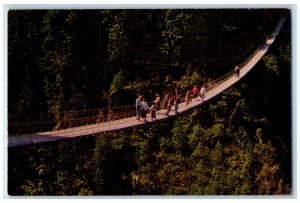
{"points": [[30, 129]]}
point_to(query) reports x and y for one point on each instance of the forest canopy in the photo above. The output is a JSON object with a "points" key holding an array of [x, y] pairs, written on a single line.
{"points": [[59, 60]]}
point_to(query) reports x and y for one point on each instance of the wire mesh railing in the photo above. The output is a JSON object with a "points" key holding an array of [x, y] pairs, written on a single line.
{"points": [[27, 124]]}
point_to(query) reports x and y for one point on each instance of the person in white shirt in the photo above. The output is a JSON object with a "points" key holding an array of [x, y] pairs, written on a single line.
{"points": [[202, 92]]}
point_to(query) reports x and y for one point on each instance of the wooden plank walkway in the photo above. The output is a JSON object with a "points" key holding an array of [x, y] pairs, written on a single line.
{"points": [[132, 121]]}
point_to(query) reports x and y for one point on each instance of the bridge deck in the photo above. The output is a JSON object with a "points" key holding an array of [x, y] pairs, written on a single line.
{"points": [[132, 121]]}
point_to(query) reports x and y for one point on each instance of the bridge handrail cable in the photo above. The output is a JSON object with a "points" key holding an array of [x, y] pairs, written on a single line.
{"points": [[93, 116]]}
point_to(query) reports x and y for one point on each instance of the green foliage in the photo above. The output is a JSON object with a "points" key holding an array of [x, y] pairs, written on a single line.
{"points": [[236, 144], [173, 35], [216, 132], [117, 83], [180, 132], [138, 86], [196, 136], [25, 93], [220, 110], [30, 188], [57, 59], [117, 90], [285, 53], [117, 44], [85, 192], [272, 66], [101, 161]]}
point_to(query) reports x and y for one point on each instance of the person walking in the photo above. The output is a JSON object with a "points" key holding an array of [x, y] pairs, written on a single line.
{"points": [[187, 98], [202, 92], [138, 106], [170, 104], [177, 89], [167, 97], [153, 111], [237, 71], [176, 103], [195, 91], [144, 109], [157, 102]]}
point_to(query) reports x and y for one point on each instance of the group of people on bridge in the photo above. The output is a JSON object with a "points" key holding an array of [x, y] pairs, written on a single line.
{"points": [[142, 107], [170, 100]]}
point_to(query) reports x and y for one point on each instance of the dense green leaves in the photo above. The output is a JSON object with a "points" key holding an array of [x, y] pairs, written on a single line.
{"points": [[238, 143], [117, 89], [177, 157], [117, 44], [61, 60]]}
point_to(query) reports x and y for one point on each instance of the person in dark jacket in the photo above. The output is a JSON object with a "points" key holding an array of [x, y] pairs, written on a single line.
{"points": [[237, 71]]}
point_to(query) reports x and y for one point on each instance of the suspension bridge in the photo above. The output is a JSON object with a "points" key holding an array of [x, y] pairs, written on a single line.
{"points": [[43, 128]]}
